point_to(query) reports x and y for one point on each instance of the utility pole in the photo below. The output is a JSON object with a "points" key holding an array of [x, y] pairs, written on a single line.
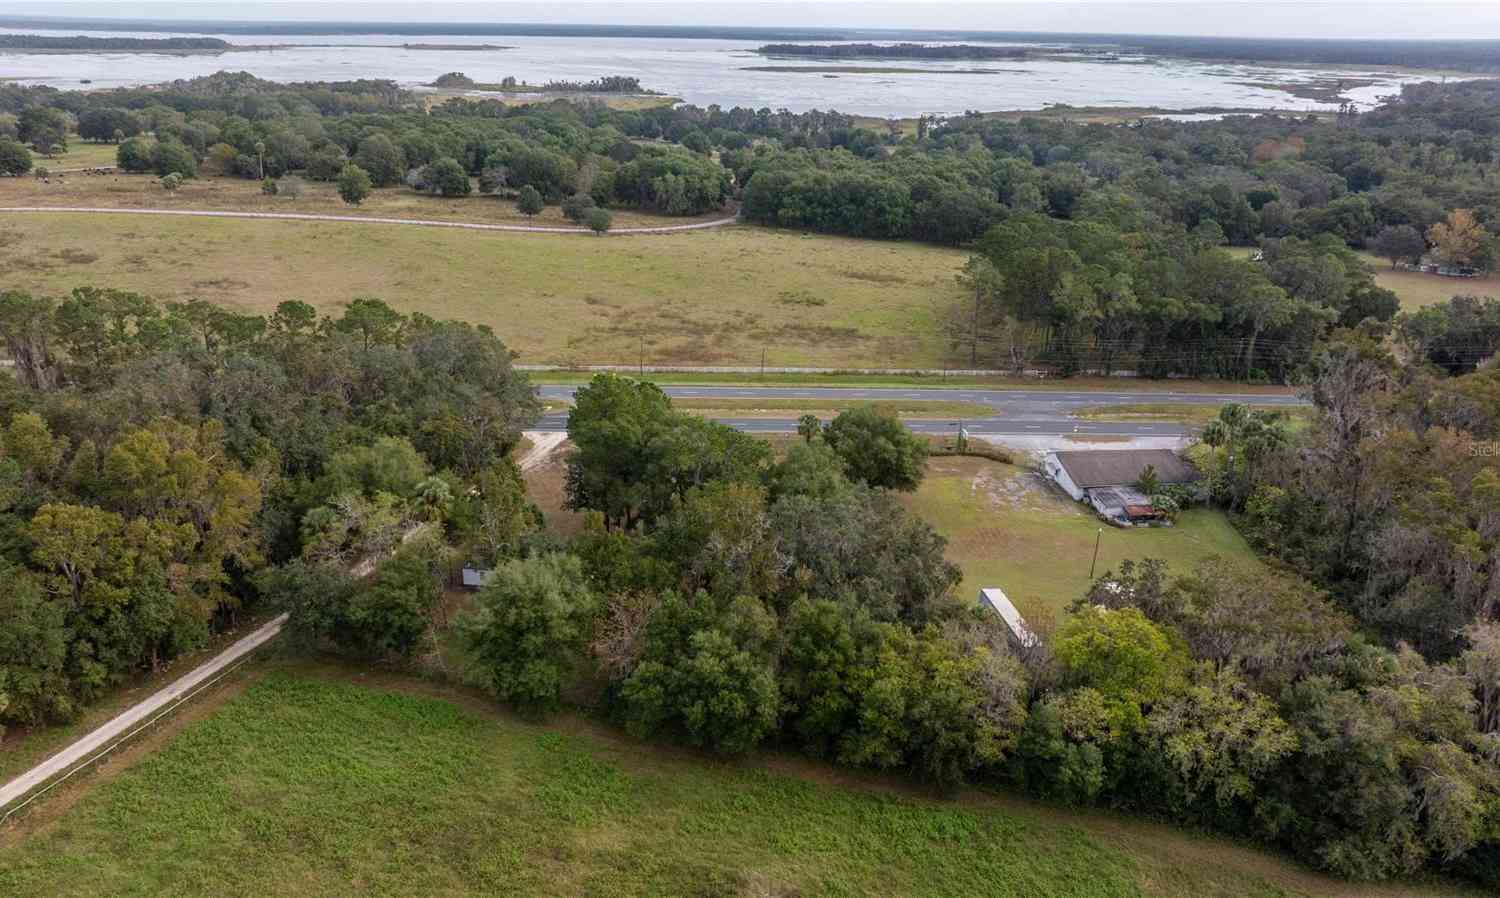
{"points": [[1098, 536], [643, 355], [974, 335], [762, 363]]}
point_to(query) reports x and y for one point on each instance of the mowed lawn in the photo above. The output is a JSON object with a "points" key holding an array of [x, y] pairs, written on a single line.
{"points": [[307, 784], [1007, 527], [718, 297]]}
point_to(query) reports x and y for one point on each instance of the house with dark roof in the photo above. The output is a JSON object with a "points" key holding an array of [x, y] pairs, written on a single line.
{"points": [[1106, 479]]}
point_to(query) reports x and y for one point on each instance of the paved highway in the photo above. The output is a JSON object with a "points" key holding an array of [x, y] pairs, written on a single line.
{"points": [[1016, 412]]}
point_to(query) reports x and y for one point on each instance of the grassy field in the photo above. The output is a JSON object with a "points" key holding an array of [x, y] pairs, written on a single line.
{"points": [[694, 298], [1007, 527], [79, 155], [1417, 289], [306, 783], [126, 191], [1414, 288]]}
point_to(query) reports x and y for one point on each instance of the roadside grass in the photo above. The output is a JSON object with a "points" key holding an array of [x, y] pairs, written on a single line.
{"points": [[776, 407], [725, 296], [1008, 527], [924, 381], [319, 779], [1178, 413], [143, 191]]}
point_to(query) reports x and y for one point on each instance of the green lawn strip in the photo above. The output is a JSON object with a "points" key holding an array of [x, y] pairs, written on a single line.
{"points": [[1038, 545], [1180, 413], [906, 408]]}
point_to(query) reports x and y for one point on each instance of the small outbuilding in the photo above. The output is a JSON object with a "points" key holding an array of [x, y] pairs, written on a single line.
{"points": [[1106, 479], [473, 577]]}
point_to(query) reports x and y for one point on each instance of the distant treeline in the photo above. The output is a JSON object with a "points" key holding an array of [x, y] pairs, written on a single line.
{"points": [[79, 42], [529, 29], [894, 51]]}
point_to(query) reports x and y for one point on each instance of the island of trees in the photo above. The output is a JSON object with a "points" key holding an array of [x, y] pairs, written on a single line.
{"points": [[112, 44], [609, 84]]}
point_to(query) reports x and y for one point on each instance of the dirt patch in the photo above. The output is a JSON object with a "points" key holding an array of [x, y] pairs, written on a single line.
{"points": [[874, 277], [1022, 490], [222, 284], [73, 256]]}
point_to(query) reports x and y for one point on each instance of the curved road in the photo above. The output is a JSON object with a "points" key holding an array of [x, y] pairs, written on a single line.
{"points": [[366, 219], [1029, 413]]}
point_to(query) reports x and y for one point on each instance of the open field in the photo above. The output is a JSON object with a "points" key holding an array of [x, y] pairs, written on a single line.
{"points": [[1010, 528], [1414, 288], [697, 298], [1417, 289], [80, 154], [126, 191], [322, 780]]}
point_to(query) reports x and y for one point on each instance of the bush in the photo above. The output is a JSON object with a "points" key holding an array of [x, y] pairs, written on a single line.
{"points": [[446, 177], [170, 157], [135, 155], [600, 221], [269, 187], [529, 202], [325, 164], [15, 159], [354, 184], [576, 207]]}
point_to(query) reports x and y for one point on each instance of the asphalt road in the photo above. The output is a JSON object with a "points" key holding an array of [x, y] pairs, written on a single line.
{"points": [[1016, 412]]}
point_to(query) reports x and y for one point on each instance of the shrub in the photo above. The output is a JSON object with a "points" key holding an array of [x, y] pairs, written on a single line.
{"points": [[600, 221], [135, 155], [15, 159], [576, 207], [446, 177], [354, 184], [529, 202], [170, 157]]}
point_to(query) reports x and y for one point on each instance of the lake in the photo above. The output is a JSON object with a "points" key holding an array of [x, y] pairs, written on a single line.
{"points": [[706, 72]]}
